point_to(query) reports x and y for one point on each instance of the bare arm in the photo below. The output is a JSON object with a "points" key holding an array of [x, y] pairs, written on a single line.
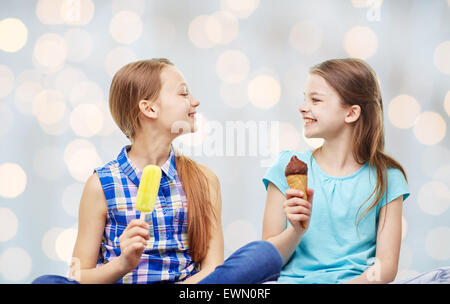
{"points": [[214, 256], [279, 209], [389, 239], [91, 224]]}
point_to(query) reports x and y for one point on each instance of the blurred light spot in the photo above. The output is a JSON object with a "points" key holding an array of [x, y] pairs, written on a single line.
{"points": [[233, 66], [234, 95], [198, 32], [367, 3], [13, 35], [429, 128], [24, 95], [15, 264], [8, 224], [403, 111], [6, 81], [64, 243], [50, 50], [222, 27], [437, 244], [240, 8], [264, 91], [443, 174], [447, 103], [48, 243], [431, 159], [71, 198], [238, 233], [126, 27], [360, 42], [135, 6], [48, 163], [161, 33], [77, 12], [86, 120], [442, 57], [306, 37], [49, 106], [80, 44], [71, 12], [49, 11], [69, 78], [434, 198], [81, 159], [86, 92], [6, 119], [117, 58], [312, 142], [13, 180], [56, 128]]}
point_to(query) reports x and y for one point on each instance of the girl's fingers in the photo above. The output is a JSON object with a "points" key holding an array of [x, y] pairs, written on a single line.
{"points": [[297, 202], [290, 193], [298, 217], [136, 230], [298, 210]]}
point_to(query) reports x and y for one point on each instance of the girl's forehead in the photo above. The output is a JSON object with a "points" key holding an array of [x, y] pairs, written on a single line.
{"points": [[172, 78], [317, 84]]}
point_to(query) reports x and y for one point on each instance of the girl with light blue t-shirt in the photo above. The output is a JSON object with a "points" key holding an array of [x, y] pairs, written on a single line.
{"points": [[353, 214]]}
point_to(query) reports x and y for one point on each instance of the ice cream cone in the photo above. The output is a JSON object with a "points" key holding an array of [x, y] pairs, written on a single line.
{"points": [[298, 182]]}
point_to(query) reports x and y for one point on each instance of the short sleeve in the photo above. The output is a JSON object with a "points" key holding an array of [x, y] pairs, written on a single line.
{"points": [[275, 174], [397, 186]]}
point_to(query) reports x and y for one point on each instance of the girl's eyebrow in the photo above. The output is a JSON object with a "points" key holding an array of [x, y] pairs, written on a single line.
{"points": [[183, 84], [314, 93]]}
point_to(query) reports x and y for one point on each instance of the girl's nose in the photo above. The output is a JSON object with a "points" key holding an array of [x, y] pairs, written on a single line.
{"points": [[303, 108], [194, 102]]}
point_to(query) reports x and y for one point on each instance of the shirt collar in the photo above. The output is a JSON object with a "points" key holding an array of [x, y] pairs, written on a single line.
{"points": [[134, 174]]}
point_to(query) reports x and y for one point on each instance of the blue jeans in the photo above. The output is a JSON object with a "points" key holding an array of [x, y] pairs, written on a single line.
{"points": [[254, 263]]}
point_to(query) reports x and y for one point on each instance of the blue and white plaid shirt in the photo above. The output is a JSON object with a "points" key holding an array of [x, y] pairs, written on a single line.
{"points": [[166, 257]]}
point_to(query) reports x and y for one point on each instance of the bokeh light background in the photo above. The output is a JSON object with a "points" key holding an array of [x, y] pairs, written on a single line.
{"points": [[245, 60]]}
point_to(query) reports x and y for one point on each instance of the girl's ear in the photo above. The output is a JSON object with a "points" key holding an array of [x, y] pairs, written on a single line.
{"points": [[353, 114], [149, 109]]}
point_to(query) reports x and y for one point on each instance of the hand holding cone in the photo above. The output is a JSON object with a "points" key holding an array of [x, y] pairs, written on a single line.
{"points": [[296, 173]]}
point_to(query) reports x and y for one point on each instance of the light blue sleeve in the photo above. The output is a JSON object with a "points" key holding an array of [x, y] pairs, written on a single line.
{"points": [[396, 187], [275, 174]]}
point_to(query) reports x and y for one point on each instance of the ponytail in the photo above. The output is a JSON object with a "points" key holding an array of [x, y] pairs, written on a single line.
{"points": [[200, 210]]}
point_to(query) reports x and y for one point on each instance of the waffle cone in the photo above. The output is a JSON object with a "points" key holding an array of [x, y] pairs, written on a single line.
{"points": [[298, 182]]}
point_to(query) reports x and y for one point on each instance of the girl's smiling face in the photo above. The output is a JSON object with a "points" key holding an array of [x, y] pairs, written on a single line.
{"points": [[177, 107], [323, 112]]}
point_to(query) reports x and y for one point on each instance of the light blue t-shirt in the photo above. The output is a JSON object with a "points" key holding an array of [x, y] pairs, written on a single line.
{"points": [[332, 250]]}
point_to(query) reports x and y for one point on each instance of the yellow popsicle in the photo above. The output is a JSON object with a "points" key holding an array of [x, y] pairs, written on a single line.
{"points": [[148, 189]]}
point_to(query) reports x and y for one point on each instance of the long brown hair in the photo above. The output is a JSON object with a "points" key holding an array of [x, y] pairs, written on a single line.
{"points": [[141, 80], [357, 84]]}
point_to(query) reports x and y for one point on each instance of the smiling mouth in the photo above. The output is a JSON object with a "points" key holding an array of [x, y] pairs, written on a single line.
{"points": [[309, 121], [192, 114]]}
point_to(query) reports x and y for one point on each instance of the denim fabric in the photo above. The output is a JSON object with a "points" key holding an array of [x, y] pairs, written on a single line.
{"points": [[254, 263]]}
